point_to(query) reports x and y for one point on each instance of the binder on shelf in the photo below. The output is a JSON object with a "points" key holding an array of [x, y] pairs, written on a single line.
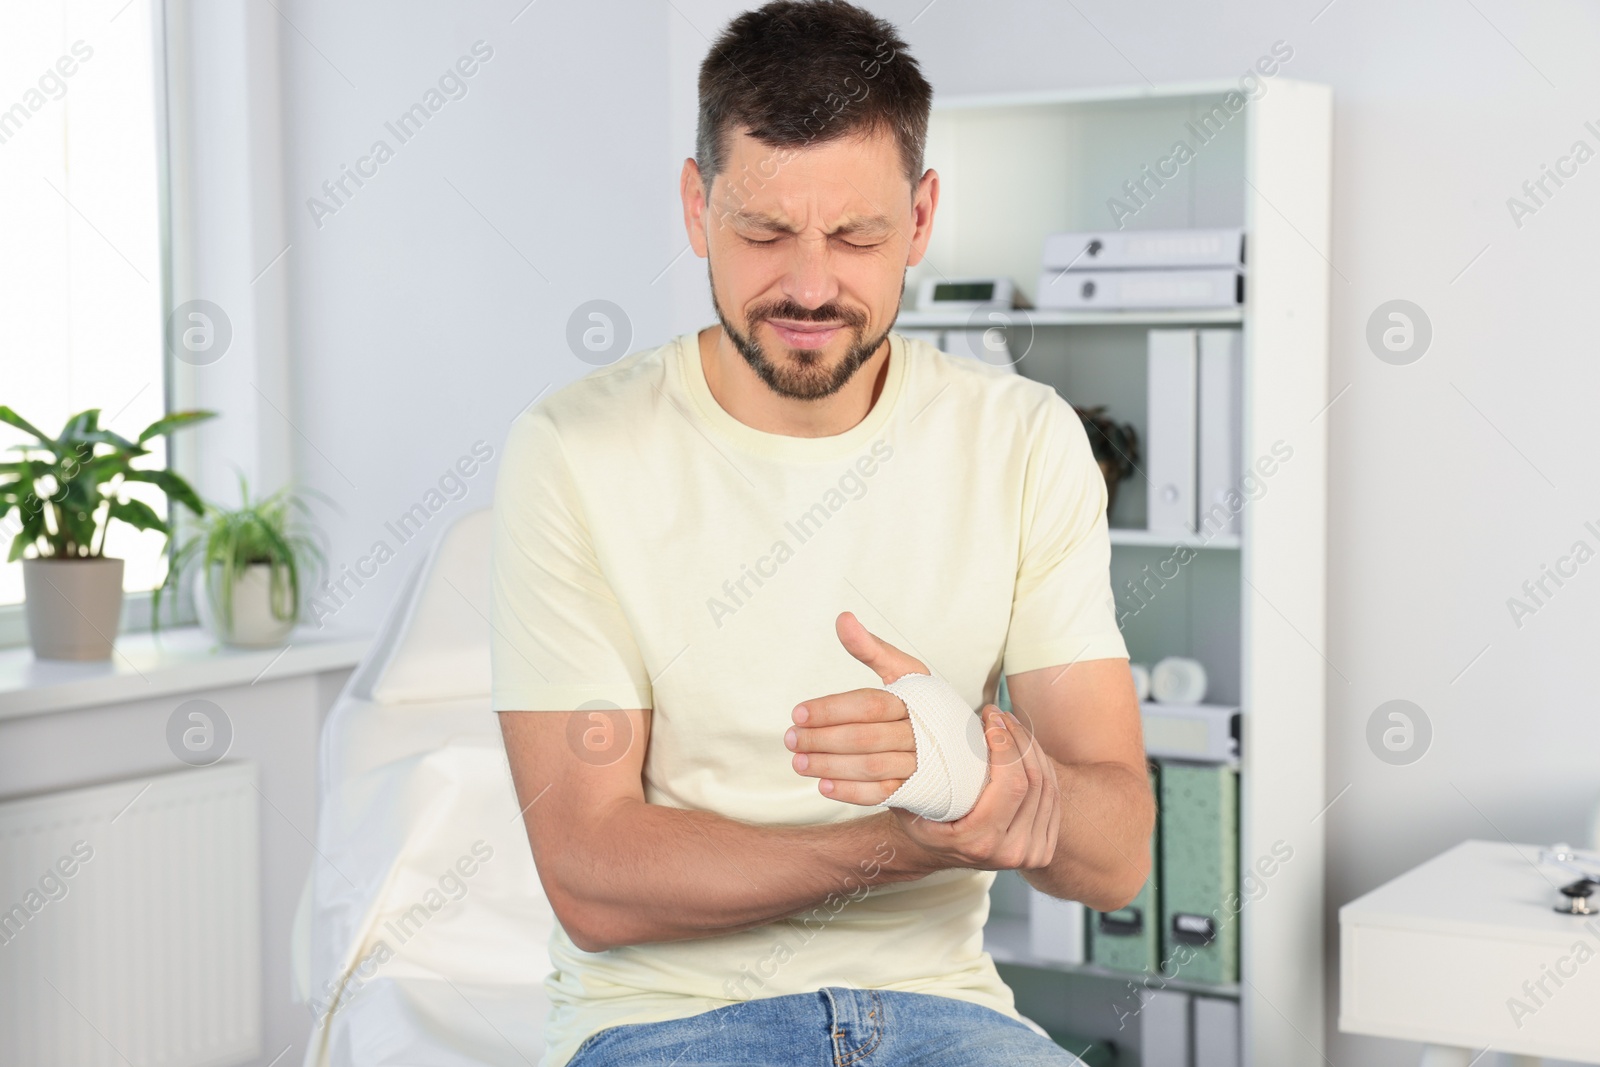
{"points": [[1132, 289], [1216, 1033], [1128, 939], [1055, 928], [1144, 249], [1199, 872], [1204, 733], [1221, 426], [1172, 386], [1163, 1028]]}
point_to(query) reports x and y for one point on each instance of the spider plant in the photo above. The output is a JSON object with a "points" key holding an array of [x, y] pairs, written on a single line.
{"points": [[274, 531]]}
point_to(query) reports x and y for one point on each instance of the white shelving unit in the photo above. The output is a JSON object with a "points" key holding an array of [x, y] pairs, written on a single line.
{"points": [[1122, 535], [1251, 607], [943, 320]]}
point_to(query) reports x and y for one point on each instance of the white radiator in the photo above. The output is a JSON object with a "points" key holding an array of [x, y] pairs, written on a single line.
{"points": [[130, 923]]}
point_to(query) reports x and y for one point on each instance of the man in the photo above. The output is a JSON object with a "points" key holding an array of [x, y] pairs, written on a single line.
{"points": [[710, 558]]}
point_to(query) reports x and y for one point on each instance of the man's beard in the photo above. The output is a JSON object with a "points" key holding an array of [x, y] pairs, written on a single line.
{"points": [[810, 379]]}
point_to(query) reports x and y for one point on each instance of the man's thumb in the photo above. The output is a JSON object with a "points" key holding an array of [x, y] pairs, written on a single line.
{"points": [[889, 662]]}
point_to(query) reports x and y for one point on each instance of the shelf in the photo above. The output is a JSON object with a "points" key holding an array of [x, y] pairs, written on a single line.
{"points": [[1005, 937], [960, 320], [1149, 539], [179, 660]]}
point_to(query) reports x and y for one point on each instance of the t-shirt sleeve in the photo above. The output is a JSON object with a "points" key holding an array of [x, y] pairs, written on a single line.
{"points": [[1062, 610], [558, 636]]}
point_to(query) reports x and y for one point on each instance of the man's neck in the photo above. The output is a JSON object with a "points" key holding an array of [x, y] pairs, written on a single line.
{"points": [[739, 390]]}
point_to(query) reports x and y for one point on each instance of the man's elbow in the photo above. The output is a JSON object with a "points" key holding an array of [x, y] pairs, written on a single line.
{"points": [[585, 940], [1124, 890], [586, 925]]}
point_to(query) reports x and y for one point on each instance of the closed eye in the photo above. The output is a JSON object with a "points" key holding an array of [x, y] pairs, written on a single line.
{"points": [[862, 246]]}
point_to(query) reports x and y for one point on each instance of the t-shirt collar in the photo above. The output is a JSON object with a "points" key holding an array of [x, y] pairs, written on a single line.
{"points": [[782, 446]]}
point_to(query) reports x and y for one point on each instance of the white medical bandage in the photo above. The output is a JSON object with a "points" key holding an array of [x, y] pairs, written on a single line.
{"points": [[952, 755]]}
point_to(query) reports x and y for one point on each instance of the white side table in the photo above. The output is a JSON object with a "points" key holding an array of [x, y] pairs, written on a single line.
{"points": [[1467, 952]]}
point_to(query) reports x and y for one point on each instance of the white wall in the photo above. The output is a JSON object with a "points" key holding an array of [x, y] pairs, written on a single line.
{"points": [[416, 330], [431, 307]]}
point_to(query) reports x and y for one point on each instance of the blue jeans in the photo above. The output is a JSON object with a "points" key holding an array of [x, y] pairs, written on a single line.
{"points": [[833, 1027]]}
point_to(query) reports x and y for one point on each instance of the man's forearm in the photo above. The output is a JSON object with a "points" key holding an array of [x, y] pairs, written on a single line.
{"points": [[1102, 855], [655, 873]]}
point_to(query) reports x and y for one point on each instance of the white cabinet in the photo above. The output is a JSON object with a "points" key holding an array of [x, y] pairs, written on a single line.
{"points": [[1249, 606]]}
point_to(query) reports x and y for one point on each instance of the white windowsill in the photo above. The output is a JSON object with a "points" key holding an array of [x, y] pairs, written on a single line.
{"points": [[179, 660]]}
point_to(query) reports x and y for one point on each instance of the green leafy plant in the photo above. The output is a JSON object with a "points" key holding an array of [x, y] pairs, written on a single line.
{"points": [[274, 530], [68, 489], [1115, 446]]}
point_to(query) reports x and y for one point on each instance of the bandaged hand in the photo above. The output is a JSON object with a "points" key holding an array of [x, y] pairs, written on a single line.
{"points": [[952, 758], [912, 743]]}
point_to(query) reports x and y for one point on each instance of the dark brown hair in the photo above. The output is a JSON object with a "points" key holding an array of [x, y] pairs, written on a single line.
{"points": [[801, 72]]}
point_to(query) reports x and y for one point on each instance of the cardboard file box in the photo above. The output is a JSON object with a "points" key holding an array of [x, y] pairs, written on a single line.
{"points": [[1199, 872]]}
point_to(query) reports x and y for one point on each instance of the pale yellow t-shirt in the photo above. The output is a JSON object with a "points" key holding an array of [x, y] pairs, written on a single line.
{"points": [[652, 551]]}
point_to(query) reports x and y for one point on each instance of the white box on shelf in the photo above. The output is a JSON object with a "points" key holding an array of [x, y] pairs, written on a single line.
{"points": [[1077, 289], [1204, 733], [1216, 1032], [1170, 431], [1055, 928], [1221, 458], [1143, 249], [1163, 1028]]}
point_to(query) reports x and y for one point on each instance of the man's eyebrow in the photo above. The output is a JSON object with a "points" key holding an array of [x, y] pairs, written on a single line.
{"points": [[762, 221]]}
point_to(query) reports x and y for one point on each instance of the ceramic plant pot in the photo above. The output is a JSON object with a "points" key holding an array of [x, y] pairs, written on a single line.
{"points": [[73, 606], [252, 623]]}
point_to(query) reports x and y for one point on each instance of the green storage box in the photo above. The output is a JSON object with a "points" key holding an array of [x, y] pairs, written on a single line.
{"points": [[1199, 872]]}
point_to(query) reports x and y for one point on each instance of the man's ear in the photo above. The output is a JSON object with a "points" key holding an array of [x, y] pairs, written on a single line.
{"points": [[924, 200], [693, 192]]}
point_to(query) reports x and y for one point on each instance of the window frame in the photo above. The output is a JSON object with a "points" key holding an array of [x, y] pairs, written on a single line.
{"points": [[136, 604]]}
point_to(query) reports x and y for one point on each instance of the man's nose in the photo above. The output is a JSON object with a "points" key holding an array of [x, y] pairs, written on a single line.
{"points": [[810, 281]]}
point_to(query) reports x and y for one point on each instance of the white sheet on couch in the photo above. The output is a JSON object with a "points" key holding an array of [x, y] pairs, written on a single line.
{"points": [[410, 961]]}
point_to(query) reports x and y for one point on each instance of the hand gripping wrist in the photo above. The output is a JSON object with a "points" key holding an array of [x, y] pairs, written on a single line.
{"points": [[952, 755]]}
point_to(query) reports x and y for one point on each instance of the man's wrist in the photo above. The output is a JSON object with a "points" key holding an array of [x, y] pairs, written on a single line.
{"points": [[905, 859]]}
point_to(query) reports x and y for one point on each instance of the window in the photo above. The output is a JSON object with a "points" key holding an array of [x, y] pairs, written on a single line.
{"points": [[81, 266]]}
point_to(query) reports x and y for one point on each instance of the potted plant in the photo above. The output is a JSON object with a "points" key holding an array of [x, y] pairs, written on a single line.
{"points": [[250, 564], [67, 490], [1115, 446]]}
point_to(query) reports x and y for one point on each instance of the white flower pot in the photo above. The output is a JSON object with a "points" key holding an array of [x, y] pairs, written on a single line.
{"points": [[253, 624], [73, 606]]}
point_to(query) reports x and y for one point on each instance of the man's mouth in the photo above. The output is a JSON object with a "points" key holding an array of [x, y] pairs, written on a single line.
{"points": [[805, 335]]}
